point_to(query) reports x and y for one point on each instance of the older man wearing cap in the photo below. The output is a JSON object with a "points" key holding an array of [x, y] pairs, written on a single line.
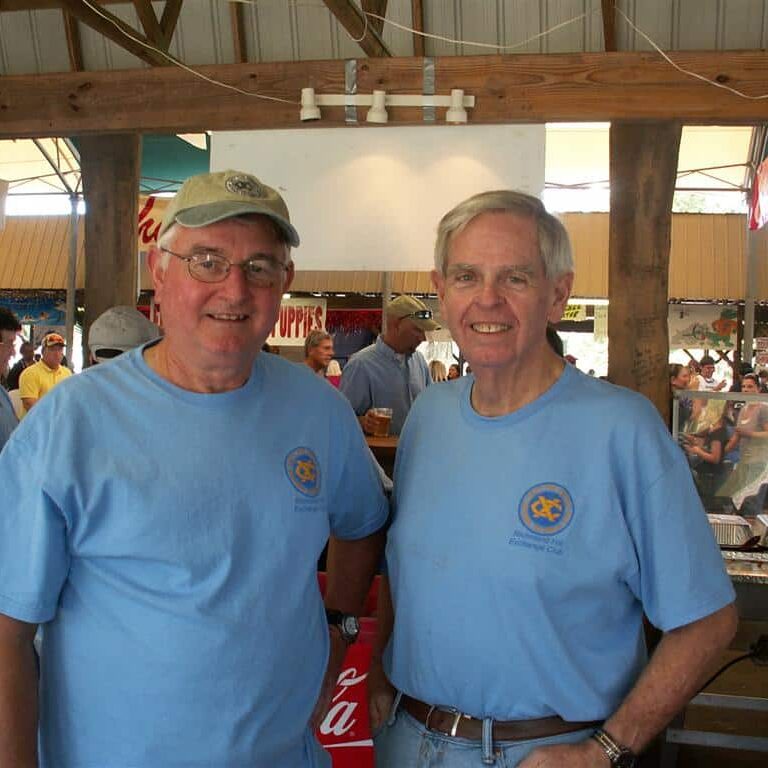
{"points": [[41, 377], [171, 531], [390, 373]]}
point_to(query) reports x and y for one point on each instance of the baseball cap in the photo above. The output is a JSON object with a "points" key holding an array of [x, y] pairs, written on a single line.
{"points": [[210, 197], [119, 329], [416, 311], [53, 340]]}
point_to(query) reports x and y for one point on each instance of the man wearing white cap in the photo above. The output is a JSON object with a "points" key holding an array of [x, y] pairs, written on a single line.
{"points": [[171, 531], [45, 374], [118, 330], [391, 373]]}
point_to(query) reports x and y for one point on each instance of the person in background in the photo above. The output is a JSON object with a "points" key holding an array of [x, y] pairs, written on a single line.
{"points": [[706, 379], [390, 373], [511, 617], [706, 453], [9, 329], [437, 371], [41, 377], [162, 518], [318, 351], [118, 330], [454, 372], [748, 483], [763, 380], [27, 352], [680, 380]]}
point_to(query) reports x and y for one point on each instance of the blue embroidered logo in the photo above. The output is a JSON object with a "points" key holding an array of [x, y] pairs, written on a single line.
{"points": [[303, 471], [546, 509]]}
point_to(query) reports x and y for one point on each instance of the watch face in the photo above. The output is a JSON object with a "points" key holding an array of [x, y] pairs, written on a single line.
{"points": [[350, 627]]}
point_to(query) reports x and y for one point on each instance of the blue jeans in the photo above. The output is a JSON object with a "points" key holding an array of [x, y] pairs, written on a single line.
{"points": [[406, 743]]}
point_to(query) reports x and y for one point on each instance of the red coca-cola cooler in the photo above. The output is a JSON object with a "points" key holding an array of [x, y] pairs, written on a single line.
{"points": [[345, 732]]}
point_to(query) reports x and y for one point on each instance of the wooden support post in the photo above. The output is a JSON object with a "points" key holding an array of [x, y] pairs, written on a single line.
{"points": [[110, 173], [643, 168]]}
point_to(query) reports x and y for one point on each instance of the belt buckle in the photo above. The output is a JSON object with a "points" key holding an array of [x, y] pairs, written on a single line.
{"points": [[449, 711]]}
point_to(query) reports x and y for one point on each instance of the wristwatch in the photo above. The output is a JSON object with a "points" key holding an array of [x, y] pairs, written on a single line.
{"points": [[347, 624], [619, 755]]}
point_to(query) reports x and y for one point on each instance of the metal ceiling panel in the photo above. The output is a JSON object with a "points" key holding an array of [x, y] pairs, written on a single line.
{"points": [[17, 54]]}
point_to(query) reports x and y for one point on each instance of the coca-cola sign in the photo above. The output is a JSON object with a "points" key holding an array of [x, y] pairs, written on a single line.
{"points": [[345, 731]]}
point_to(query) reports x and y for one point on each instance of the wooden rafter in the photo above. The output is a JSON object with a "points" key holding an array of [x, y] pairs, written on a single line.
{"points": [[74, 48], [169, 20], [354, 21], [116, 30], [609, 24], [379, 7], [238, 32], [417, 16], [146, 14], [588, 87]]}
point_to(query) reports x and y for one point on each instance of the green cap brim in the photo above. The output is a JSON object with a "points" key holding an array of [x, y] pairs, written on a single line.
{"points": [[210, 213]]}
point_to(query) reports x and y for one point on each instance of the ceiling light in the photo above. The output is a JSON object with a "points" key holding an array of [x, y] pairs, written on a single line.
{"points": [[378, 113], [309, 108], [456, 113]]}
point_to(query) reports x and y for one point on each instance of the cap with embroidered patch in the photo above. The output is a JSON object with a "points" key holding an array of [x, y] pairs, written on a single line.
{"points": [[211, 197], [416, 311]]}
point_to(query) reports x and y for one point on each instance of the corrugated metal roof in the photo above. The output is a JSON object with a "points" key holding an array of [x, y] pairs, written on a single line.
{"points": [[291, 30], [706, 259]]}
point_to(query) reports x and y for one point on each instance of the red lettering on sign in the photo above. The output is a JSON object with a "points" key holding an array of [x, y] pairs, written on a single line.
{"points": [[148, 225]]}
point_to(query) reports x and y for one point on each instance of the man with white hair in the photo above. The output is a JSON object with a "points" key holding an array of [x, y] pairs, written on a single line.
{"points": [[170, 533], [559, 511]]}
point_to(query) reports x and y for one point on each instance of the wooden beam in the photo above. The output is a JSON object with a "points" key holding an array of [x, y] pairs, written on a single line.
{"points": [[169, 20], [508, 89], [379, 7], [643, 163], [149, 22], [609, 24], [110, 171], [417, 22], [238, 32], [74, 48], [115, 30], [352, 19]]}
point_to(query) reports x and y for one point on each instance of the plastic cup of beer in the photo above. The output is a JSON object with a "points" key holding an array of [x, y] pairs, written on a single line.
{"points": [[381, 419]]}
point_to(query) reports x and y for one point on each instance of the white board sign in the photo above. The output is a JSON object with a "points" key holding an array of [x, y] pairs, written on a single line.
{"points": [[296, 319], [371, 198]]}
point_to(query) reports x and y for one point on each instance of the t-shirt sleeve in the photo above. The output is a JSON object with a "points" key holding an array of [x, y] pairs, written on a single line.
{"points": [[682, 576], [34, 558], [355, 387], [28, 384], [357, 505]]}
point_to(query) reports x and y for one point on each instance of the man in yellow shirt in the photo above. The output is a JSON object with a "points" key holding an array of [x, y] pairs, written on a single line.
{"points": [[44, 375]]}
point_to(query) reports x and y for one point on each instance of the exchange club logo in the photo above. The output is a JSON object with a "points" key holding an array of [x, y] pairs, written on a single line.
{"points": [[303, 471], [546, 509]]}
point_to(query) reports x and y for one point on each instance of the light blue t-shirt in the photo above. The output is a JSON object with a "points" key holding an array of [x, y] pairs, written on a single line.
{"points": [[379, 377], [171, 540], [524, 549], [8, 420]]}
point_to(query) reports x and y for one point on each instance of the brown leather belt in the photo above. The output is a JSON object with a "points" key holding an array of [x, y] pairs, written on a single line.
{"points": [[451, 722]]}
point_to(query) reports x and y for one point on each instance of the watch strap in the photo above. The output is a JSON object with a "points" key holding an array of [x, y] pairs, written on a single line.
{"points": [[617, 753]]}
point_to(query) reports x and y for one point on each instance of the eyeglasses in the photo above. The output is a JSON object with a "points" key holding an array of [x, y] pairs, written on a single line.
{"points": [[421, 314], [212, 267]]}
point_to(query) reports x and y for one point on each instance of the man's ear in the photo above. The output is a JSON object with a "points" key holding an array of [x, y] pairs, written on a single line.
{"points": [[438, 281], [290, 273], [563, 287], [156, 270]]}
